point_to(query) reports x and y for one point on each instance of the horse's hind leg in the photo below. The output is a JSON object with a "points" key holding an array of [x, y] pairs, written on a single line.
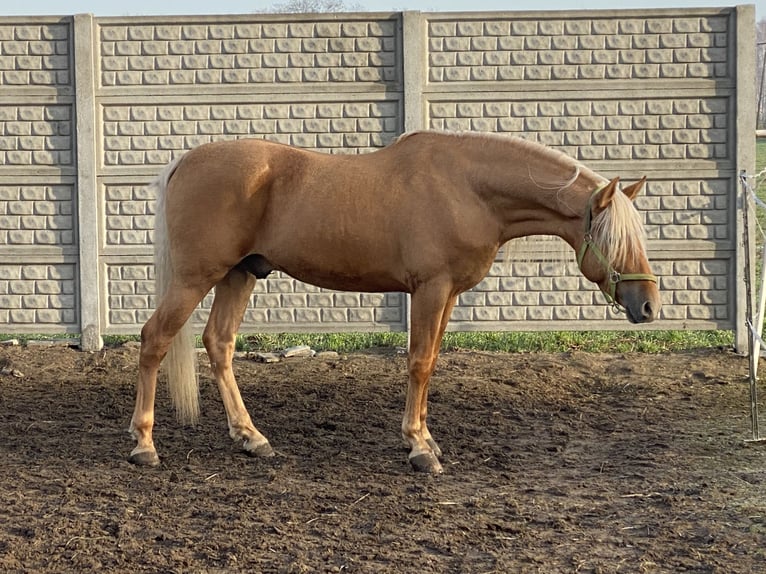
{"points": [[231, 296], [156, 336]]}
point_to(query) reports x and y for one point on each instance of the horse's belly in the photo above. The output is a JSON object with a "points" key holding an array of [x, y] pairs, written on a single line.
{"points": [[342, 280]]}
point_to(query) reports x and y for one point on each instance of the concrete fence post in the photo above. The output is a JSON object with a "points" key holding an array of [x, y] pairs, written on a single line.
{"points": [[745, 150], [87, 192], [414, 63], [414, 76]]}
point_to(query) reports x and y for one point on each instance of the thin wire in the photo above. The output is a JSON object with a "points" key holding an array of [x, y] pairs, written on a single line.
{"points": [[751, 190], [754, 333], [758, 175]]}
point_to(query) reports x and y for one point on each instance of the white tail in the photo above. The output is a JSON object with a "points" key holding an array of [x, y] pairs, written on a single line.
{"points": [[181, 360]]}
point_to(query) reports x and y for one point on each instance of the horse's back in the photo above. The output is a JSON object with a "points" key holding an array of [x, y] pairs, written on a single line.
{"points": [[313, 215]]}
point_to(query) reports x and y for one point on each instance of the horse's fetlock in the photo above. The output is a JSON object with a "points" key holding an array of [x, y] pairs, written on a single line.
{"points": [[410, 432]]}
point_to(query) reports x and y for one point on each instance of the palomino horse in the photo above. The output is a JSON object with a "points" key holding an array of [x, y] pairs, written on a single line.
{"points": [[425, 215]]}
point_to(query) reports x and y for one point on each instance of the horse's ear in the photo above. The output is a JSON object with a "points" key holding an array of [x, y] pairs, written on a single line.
{"points": [[606, 194], [633, 190]]}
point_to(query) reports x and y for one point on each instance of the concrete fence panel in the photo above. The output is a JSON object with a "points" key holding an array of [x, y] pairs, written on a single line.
{"points": [[91, 108]]}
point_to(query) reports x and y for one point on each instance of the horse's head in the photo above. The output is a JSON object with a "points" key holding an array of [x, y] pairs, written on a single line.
{"points": [[612, 253]]}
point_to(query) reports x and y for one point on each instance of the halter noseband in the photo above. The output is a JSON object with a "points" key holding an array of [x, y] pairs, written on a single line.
{"points": [[614, 276]]}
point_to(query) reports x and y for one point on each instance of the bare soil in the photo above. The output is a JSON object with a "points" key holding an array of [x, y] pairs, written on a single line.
{"points": [[567, 462]]}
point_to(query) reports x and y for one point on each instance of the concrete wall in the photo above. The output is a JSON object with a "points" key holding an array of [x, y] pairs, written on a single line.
{"points": [[91, 108]]}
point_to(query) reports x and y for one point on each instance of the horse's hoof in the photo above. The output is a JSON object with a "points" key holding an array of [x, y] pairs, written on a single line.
{"points": [[426, 462], [434, 447], [263, 449], [144, 458]]}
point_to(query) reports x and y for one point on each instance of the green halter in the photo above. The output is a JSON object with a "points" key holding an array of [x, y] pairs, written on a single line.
{"points": [[614, 276]]}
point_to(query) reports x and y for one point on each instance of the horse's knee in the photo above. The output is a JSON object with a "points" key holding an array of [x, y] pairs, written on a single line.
{"points": [[150, 353], [410, 429], [146, 335]]}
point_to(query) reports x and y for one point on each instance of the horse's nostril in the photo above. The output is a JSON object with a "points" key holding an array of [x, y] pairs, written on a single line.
{"points": [[648, 310]]}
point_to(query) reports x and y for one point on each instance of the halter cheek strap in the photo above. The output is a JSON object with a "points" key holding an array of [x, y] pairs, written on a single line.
{"points": [[613, 276]]}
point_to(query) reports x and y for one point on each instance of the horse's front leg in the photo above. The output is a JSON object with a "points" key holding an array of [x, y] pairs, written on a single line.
{"points": [[430, 311], [232, 294]]}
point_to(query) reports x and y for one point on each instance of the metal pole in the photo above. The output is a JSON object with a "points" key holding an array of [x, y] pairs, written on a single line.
{"points": [[751, 340], [761, 307], [759, 109]]}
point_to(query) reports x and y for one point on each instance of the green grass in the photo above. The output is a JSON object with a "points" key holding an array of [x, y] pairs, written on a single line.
{"points": [[760, 213], [760, 190], [760, 157], [509, 342], [760, 163], [26, 337]]}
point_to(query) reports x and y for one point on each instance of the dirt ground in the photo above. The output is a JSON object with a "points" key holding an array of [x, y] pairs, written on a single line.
{"points": [[568, 462]]}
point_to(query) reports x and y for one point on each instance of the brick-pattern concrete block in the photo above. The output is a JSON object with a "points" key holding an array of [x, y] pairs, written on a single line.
{"points": [[34, 55], [130, 294], [128, 215], [267, 51], [37, 296], [278, 303], [644, 129], [36, 215], [600, 48], [286, 303], [686, 210], [36, 135], [152, 134]]}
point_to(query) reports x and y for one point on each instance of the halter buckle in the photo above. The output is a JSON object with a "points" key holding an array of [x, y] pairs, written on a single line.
{"points": [[616, 307]]}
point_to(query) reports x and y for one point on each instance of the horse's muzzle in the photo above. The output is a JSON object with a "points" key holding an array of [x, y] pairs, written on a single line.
{"points": [[645, 312]]}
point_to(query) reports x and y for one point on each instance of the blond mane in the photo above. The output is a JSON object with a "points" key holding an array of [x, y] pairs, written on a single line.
{"points": [[619, 232]]}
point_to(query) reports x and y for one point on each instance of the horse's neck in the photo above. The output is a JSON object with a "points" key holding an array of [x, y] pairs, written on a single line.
{"points": [[533, 192]]}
